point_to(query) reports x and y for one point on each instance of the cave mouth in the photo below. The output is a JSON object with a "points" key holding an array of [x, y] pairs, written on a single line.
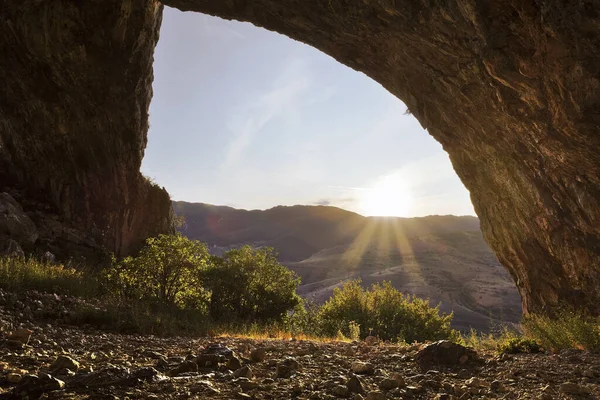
{"points": [[253, 119]]}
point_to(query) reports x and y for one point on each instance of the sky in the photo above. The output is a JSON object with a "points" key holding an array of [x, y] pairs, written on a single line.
{"points": [[249, 118]]}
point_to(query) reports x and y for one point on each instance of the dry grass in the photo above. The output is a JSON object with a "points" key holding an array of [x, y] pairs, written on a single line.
{"points": [[568, 330], [19, 275]]}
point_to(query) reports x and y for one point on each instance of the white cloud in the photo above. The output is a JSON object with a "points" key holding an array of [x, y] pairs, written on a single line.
{"points": [[249, 118]]}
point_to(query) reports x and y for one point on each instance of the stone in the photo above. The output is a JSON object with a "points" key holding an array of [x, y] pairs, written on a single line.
{"points": [[247, 385], [399, 380], [498, 387], [443, 352], [388, 384], [258, 355], [244, 372], [184, 367], [476, 382], [48, 258], [233, 363], [204, 386], [573, 388], [355, 385], [375, 396], [589, 373], [15, 224], [21, 335], [362, 368], [112, 375], [287, 368], [13, 377], [33, 386], [11, 249], [340, 391], [444, 396], [66, 362], [214, 355]]}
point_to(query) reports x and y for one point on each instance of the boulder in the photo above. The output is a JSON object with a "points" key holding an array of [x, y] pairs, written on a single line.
{"points": [[444, 352], [15, 224], [11, 249]]}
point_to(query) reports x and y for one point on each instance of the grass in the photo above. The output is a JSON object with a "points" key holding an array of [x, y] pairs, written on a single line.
{"points": [[20, 275], [568, 330]]}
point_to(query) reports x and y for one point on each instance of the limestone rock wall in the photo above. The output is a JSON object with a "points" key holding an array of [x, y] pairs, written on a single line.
{"points": [[75, 87]]}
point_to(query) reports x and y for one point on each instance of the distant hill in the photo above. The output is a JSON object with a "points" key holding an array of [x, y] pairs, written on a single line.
{"points": [[441, 257]]}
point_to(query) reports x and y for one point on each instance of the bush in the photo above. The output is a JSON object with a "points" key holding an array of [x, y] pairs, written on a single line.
{"points": [[384, 312], [251, 285], [168, 269], [518, 345]]}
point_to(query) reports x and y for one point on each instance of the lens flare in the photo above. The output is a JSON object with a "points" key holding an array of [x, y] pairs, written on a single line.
{"points": [[390, 196]]}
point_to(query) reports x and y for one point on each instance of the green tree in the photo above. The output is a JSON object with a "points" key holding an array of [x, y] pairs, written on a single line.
{"points": [[167, 269], [249, 284]]}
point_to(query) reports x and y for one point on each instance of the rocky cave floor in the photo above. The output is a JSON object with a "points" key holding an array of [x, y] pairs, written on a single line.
{"points": [[57, 361]]}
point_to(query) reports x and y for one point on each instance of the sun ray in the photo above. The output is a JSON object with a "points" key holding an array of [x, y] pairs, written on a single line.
{"points": [[355, 253]]}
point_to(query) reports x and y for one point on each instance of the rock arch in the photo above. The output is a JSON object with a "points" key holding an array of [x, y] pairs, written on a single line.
{"points": [[511, 88]]}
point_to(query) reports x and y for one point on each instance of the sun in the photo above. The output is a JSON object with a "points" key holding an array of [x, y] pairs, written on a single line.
{"points": [[390, 196]]}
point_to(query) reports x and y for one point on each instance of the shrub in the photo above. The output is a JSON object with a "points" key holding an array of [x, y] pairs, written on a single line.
{"points": [[518, 345], [168, 269], [385, 312], [250, 284]]}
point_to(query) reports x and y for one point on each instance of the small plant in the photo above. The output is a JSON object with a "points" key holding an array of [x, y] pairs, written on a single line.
{"points": [[518, 345], [354, 331]]}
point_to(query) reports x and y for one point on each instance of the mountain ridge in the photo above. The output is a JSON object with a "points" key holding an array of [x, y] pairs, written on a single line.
{"points": [[441, 257]]}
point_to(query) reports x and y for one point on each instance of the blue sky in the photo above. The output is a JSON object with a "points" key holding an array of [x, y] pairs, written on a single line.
{"points": [[252, 119]]}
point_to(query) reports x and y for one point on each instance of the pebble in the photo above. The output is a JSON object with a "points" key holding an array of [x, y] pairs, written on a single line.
{"points": [[258, 355], [362, 368]]}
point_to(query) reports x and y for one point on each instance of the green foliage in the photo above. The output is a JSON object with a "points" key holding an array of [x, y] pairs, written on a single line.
{"points": [[304, 319], [19, 275], [168, 269], [567, 330], [354, 331], [518, 345], [250, 284], [384, 312]]}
